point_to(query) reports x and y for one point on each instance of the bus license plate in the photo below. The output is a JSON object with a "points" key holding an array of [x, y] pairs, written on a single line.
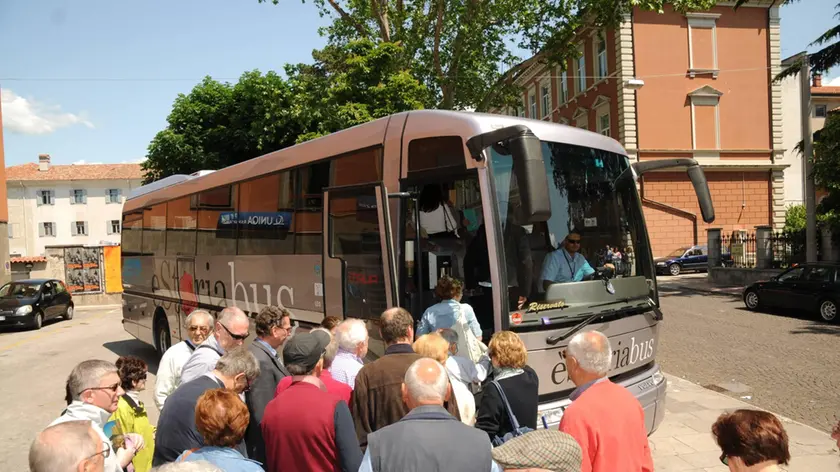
{"points": [[646, 384]]}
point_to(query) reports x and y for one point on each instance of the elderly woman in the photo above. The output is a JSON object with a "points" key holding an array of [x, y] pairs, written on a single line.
{"points": [[221, 418], [446, 313], [519, 383], [751, 441], [131, 416], [435, 346]]}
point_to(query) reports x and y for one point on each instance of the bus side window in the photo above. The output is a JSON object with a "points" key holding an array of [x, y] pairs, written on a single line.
{"points": [[154, 230], [214, 238], [309, 208], [180, 228], [132, 233], [264, 215]]}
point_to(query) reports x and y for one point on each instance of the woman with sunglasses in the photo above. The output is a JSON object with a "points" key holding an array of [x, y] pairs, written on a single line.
{"points": [[131, 416], [751, 441]]}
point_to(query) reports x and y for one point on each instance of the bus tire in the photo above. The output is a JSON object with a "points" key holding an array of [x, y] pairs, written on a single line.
{"points": [[162, 338]]}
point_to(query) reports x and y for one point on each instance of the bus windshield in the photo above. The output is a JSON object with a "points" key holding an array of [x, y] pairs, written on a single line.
{"points": [[591, 255]]}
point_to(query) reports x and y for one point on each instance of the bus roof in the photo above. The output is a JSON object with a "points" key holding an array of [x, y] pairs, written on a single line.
{"points": [[418, 124]]}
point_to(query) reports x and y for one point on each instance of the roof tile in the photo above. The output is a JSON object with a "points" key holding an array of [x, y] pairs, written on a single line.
{"points": [[825, 90], [75, 172]]}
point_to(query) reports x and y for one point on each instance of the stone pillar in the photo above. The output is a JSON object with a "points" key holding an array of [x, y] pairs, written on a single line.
{"points": [[777, 189], [763, 247], [829, 252], [713, 244]]}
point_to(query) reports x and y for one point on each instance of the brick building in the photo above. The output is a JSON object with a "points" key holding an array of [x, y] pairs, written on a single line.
{"points": [[677, 85]]}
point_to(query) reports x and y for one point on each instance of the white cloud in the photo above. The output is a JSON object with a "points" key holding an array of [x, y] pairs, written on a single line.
{"points": [[84, 162], [134, 161], [832, 83], [26, 116]]}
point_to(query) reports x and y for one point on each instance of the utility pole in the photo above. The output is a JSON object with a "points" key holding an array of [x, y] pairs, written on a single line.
{"points": [[808, 156]]}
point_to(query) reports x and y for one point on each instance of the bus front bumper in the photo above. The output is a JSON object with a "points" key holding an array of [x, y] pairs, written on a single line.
{"points": [[648, 387]]}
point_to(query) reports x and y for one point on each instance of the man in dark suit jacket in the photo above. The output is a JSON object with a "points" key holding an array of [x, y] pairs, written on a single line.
{"points": [[273, 326]]}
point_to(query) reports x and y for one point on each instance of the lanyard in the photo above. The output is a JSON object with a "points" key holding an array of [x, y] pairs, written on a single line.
{"points": [[572, 270]]}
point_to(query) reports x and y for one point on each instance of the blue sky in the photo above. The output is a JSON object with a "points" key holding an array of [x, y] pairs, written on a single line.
{"points": [[152, 50]]}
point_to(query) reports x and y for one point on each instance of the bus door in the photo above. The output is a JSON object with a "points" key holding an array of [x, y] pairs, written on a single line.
{"points": [[358, 258], [187, 289]]}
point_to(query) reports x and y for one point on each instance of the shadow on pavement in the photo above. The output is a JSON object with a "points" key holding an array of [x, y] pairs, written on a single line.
{"points": [[134, 347], [816, 326]]}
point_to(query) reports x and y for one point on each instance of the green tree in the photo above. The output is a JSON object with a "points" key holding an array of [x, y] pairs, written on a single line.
{"points": [[220, 124], [462, 50], [795, 219], [826, 165]]}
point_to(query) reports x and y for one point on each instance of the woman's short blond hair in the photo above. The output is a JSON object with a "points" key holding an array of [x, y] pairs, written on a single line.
{"points": [[432, 345], [508, 350]]}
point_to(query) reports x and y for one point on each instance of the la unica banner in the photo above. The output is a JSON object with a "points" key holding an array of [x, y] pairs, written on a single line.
{"points": [[113, 272]]}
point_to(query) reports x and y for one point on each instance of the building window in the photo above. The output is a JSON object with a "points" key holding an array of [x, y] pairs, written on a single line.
{"points": [[702, 43], [78, 197], [705, 118], [113, 195], [14, 230], [46, 197], [46, 230], [564, 87], [601, 55], [581, 118], [545, 99], [79, 228], [820, 111], [580, 72], [604, 124], [532, 102], [114, 227]]}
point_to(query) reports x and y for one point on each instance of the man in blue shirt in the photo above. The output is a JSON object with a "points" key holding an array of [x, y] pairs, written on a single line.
{"points": [[567, 264]]}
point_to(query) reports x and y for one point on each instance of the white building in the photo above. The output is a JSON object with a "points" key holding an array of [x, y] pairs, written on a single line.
{"points": [[64, 205]]}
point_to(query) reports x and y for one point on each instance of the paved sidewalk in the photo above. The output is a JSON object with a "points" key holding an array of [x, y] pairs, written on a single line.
{"points": [[696, 283], [684, 440]]}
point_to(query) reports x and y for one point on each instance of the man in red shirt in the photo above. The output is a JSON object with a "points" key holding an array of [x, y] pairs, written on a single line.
{"points": [[341, 390], [305, 428], [605, 419]]}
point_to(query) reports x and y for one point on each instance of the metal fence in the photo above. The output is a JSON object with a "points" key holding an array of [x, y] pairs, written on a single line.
{"points": [[741, 249]]}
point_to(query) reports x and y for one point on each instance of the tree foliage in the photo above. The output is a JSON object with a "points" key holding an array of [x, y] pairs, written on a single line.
{"points": [[220, 124], [463, 50], [826, 165]]}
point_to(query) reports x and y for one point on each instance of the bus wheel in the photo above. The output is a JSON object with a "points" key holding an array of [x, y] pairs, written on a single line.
{"points": [[162, 339]]}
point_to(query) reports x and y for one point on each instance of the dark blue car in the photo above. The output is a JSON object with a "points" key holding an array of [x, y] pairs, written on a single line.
{"points": [[684, 258]]}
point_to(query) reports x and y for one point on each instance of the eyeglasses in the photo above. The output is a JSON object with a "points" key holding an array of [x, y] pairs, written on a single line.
{"points": [[112, 388], [724, 459], [105, 452], [203, 329], [573, 241], [238, 337]]}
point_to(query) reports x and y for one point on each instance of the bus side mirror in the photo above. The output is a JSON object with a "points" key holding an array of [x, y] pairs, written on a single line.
{"points": [[695, 173], [529, 169], [526, 152]]}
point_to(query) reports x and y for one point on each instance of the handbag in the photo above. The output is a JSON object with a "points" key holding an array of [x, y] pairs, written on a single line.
{"points": [[468, 343], [517, 430]]}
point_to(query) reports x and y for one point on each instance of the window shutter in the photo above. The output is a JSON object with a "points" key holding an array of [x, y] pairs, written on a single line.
{"points": [[50, 200], [72, 197], [109, 227], [41, 230], [40, 198], [73, 228], [84, 196], [85, 227]]}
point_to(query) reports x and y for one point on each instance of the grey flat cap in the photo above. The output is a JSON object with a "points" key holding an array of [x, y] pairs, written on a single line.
{"points": [[544, 449]]}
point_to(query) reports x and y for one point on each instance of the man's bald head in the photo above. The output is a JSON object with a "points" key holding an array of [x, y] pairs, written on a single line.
{"points": [[232, 322], [231, 314], [66, 447], [592, 351], [396, 326], [426, 383]]}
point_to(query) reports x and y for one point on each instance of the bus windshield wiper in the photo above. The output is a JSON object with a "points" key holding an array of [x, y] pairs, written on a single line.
{"points": [[552, 340]]}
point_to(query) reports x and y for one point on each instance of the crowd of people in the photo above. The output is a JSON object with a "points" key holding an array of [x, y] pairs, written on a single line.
{"points": [[310, 402]]}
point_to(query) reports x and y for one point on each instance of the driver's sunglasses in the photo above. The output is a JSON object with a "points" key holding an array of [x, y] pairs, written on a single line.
{"points": [[573, 241], [238, 337]]}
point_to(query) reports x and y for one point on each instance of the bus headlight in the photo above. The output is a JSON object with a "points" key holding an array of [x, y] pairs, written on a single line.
{"points": [[24, 310], [658, 377]]}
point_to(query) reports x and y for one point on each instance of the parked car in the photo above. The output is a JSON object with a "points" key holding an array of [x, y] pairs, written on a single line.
{"points": [[31, 302], [683, 259], [813, 287]]}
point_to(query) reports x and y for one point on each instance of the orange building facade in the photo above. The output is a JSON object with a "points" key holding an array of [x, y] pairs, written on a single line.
{"points": [[678, 85]]}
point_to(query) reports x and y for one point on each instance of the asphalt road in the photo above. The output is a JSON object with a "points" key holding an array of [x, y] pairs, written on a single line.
{"points": [[34, 366], [783, 362]]}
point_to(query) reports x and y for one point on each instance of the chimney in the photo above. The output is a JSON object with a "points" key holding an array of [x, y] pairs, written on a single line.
{"points": [[43, 162], [817, 80]]}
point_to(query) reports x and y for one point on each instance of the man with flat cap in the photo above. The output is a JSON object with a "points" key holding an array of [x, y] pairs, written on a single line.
{"points": [[538, 451], [305, 428]]}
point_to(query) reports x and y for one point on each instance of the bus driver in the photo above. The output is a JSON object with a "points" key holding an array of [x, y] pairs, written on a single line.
{"points": [[567, 264]]}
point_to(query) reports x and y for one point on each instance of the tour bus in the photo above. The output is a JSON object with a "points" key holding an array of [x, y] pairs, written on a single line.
{"points": [[345, 225]]}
